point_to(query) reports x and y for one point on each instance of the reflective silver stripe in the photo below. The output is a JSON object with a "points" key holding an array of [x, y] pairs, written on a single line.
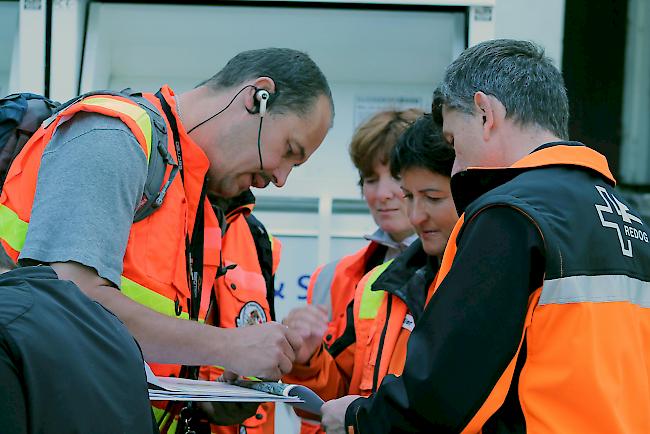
{"points": [[322, 287], [596, 289]]}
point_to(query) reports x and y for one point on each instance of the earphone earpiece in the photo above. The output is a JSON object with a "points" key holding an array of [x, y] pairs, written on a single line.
{"points": [[261, 100], [262, 97]]}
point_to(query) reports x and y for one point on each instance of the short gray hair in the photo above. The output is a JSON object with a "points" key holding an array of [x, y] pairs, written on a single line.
{"points": [[518, 74], [298, 80]]}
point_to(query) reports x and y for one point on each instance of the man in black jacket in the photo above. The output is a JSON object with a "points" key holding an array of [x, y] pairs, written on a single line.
{"points": [[541, 306]]}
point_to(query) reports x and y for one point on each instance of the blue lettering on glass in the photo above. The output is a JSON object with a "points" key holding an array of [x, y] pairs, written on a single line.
{"points": [[279, 291], [303, 283]]}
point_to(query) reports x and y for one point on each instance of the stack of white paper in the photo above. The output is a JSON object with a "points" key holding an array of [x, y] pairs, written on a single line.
{"points": [[181, 389]]}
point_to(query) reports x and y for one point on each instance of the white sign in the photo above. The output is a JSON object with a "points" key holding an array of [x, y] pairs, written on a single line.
{"points": [[366, 106]]}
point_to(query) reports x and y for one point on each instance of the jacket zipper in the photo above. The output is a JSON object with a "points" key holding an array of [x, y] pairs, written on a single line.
{"points": [[375, 375]]}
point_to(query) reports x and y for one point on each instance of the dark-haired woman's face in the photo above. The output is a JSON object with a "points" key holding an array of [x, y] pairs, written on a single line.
{"points": [[430, 207]]}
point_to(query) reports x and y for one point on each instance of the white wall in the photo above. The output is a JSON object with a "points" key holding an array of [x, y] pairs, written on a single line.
{"points": [[540, 21]]}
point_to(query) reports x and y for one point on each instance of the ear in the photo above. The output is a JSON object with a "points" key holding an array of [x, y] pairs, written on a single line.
{"points": [[490, 110], [265, 83]]}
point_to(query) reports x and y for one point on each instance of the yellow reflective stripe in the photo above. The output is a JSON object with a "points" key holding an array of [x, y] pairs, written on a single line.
{"points": [[12, 229], [132, 110], [151, 299], [371, 300], [159, 414]]}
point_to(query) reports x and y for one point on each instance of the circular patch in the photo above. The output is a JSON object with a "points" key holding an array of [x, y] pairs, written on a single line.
{"points": [[250, 314], [242, 429]]}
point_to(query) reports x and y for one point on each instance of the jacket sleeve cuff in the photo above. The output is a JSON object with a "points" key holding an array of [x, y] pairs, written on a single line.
{"points": [[351, 415], [309, 369]]}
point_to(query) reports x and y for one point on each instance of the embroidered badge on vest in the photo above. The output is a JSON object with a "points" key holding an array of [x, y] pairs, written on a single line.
{"points": [[250, 314]]}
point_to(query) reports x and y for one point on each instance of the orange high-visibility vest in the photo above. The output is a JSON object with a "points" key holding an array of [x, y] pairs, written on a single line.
{"points": [[382, 327], [333, 284], [242, 300], [381, 334], [154, 271], [587, 330]]}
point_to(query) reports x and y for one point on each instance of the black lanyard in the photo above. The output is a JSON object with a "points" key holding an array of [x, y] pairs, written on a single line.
{"points": [[193, 246]]}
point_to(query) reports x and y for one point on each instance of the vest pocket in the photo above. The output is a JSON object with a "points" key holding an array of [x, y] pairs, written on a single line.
{"points": [[242, 298], [368, 370], [164, 251]]}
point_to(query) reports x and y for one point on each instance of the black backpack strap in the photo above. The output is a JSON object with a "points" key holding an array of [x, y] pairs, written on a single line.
{"points": [[155, 187], [265, 256]]}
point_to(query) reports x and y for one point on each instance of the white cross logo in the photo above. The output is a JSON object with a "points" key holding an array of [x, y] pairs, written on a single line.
{"points": [[613, 204]]}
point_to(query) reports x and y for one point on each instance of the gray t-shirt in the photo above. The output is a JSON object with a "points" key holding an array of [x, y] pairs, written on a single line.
{"points": [[91, 179]]}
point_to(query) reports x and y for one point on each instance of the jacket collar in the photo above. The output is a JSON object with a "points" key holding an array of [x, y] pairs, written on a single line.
{"points": [[408, 277], [231, 208], [382, 238], [470, 184]]}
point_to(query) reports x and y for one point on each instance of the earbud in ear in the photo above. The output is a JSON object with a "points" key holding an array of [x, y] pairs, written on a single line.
{"points": [[262, 96]]}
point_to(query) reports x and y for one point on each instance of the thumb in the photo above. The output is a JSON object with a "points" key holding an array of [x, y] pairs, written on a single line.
{"points": [[228, 377]]}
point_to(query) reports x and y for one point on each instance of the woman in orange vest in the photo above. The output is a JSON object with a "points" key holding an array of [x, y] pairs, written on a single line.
{"points": [[331, 287], [389, 300], [370, 148]]}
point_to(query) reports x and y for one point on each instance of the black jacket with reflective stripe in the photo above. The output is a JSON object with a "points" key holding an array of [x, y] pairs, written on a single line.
{"points": [[587, 226], [580, 221]]}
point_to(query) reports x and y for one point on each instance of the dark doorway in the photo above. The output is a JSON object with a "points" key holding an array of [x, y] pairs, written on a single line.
{"points": [[593, 64]]}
